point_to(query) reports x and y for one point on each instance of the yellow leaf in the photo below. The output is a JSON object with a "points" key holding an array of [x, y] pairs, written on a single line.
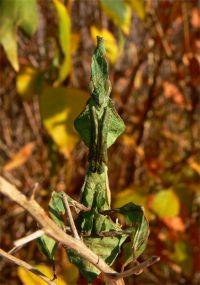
{"points": [[127, 196], [70, 272], [59, 107], [166, 204], [29, 278], [139, 7], [64, 25], [119, 12], [20, 157], [132, 195], [29, 82], [112, 50]]}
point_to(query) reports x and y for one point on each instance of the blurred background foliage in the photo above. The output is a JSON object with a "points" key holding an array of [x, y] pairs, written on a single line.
{"points": [[153, 50]]}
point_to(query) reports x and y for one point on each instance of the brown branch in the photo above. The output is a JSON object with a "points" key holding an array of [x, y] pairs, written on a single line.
{"points": [[15, 249], [34, 190], [22, 241], [27, 266], [69, 215], [54, 231], [136, 269], [77, 205]]}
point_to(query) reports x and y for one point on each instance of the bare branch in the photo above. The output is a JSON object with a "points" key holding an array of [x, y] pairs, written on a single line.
{"points": [[22, 241], [77, 205], [27, 266], [69, 215], [136, 269], [34, 190], [14, 249]]}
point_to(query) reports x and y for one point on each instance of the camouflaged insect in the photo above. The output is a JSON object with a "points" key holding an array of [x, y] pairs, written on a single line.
{"points": [[99, 125]]}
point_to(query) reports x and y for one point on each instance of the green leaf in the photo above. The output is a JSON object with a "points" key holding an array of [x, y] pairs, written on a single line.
{"points": [[59, 107], [131, 213], [139, 7], [13, 14], [85, 222], [106, 248], [138, 227], [47, 246], [166, 204], [27, 15], [127, 254], [119, 12], [64, 26], [57, 208]]}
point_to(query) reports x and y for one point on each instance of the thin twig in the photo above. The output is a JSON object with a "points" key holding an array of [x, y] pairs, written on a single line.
{"points": [[78, 205], [34, 190], [14, 249], [135, 270], [27, 266], [22, 241], [69, 215]]}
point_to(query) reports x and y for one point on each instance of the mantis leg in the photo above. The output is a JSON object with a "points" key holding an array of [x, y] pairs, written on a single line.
{"points": [[102, 156], [93, 139]]}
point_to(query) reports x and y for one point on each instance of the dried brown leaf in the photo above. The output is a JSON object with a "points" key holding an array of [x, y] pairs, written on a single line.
{"points": [[20, 157]]}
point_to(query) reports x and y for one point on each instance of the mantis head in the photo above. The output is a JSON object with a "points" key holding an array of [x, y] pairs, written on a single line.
{"points": [[100, 92]]}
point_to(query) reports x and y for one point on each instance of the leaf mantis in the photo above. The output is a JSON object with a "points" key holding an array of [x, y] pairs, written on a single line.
{"points": [[99, 125]]}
